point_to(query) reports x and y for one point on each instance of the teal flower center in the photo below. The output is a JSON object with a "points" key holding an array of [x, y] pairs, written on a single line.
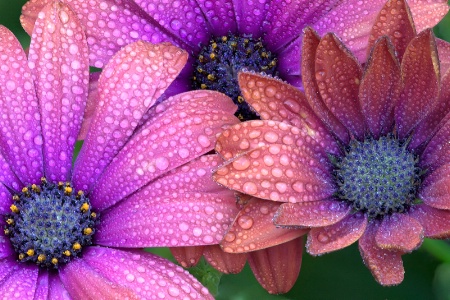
{"points": [[378, 177], [219, 62], [50, 224]]}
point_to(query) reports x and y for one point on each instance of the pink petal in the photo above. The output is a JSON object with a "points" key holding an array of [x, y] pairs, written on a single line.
{"points": [[394, 21], [131, 82], [310, 42], [132, 271], [380, 88], [435, 189], [334, 237], [444, 55], [312, 214], [420, 70], [91, 105], [187, 257], [20, 283], [277, 268], [250, 16], [278, 173], [437, 152], [20, 137], [220, 16], [59, 64], [275, 100], [386, 266], [227, 263], [354, 25], [177, 18], [109, 25], [399, 232], [435, 222], [182, 128], [183, 208], [253, 229], [338, 75]]}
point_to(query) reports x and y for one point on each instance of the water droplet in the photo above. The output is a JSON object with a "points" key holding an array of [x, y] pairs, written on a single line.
{"points": [[246, 222]]}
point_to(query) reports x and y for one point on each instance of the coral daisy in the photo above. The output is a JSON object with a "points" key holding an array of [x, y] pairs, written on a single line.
{"points": [[363, 156], [225, 36], [62, 222]]}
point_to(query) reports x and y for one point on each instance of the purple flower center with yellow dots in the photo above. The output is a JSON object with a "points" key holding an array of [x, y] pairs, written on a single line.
{"points": [[219, 62], [379, 177], [50, 224]]}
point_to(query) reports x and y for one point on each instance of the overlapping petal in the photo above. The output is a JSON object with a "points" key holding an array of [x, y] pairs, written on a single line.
{"points": [[227, 263], [19, 281], [435, 189], [187, 257], [435, 222]]}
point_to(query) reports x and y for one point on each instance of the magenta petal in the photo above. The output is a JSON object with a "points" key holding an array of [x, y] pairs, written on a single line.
{"points": [[20, 283], [183, 208], [312, 214], [399, 232], [8, 180], [338, 75], [421, 78], [178, 17], [20, 137], [109, 25], [277, 172], [7, 267], [42, 286], [59, 63], [220, 16], [385, 265], [437, 152], [380, 88], [135, 271], [183, 128], [435, 222], [435, 189], [131, 83], [57, 291], [337, 236], [250, 16]]}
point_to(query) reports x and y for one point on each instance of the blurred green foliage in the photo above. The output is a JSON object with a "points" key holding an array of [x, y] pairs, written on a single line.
{"points": [[340, 275]]}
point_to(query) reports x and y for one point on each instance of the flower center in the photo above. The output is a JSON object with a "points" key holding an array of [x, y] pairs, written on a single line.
{"points": [[378, 177], [219, 62], [50, 224]]}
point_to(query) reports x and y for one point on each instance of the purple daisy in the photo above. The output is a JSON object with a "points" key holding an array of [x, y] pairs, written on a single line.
{"points": [[135, 182], [224, 37], [362, 155]]}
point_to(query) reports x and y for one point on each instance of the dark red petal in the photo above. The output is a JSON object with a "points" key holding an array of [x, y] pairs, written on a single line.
{"points": [[399, 232], [444, 55], [435, 222], [253, 228], [187, 256], [338, 75], [435, 189], [228, 263], [278, 173], [334, 237], [276, 100], [437, 152], [277, 268], [386, 266], [310, 42], [394, 21], [311, 214], [420, 70], [380, 88]]}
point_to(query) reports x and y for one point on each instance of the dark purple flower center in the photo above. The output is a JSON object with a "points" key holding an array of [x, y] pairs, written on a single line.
{"points": [[50, 224], [219, 62], [379, 177]]}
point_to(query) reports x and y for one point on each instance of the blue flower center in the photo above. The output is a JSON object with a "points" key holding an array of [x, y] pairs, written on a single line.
{"points": [[379, 177], [50, 224], [219, 62]]}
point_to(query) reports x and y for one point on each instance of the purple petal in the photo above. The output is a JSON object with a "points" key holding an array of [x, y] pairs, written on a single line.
{"points": [[435, 189], [91, 105], [42, 286], [109, 25], [183, 19], [20, 138], [19, 280], [437, 152], [250, 16], [6, 249], [60, 67], [7, 179], [220, 16], [147, 275], [131, 82], [57, 291], [183, 128], [183, 208]]}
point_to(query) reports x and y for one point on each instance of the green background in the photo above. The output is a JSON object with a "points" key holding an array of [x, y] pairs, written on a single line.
{"points": [[339, 275]]}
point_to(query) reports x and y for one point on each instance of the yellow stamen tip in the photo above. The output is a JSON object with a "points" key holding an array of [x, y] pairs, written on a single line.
{"points": [[21, 256], [14, 208], [16, 198], [68, 190], [30, 252], [67, 253], [10, 221], [84, 207], [93, 215], [54, 260], [41, 258], [87, 231], [76, 246]]}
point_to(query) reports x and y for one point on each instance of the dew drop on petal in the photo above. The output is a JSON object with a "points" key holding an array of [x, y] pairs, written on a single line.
{"points": [[246, 222]]}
